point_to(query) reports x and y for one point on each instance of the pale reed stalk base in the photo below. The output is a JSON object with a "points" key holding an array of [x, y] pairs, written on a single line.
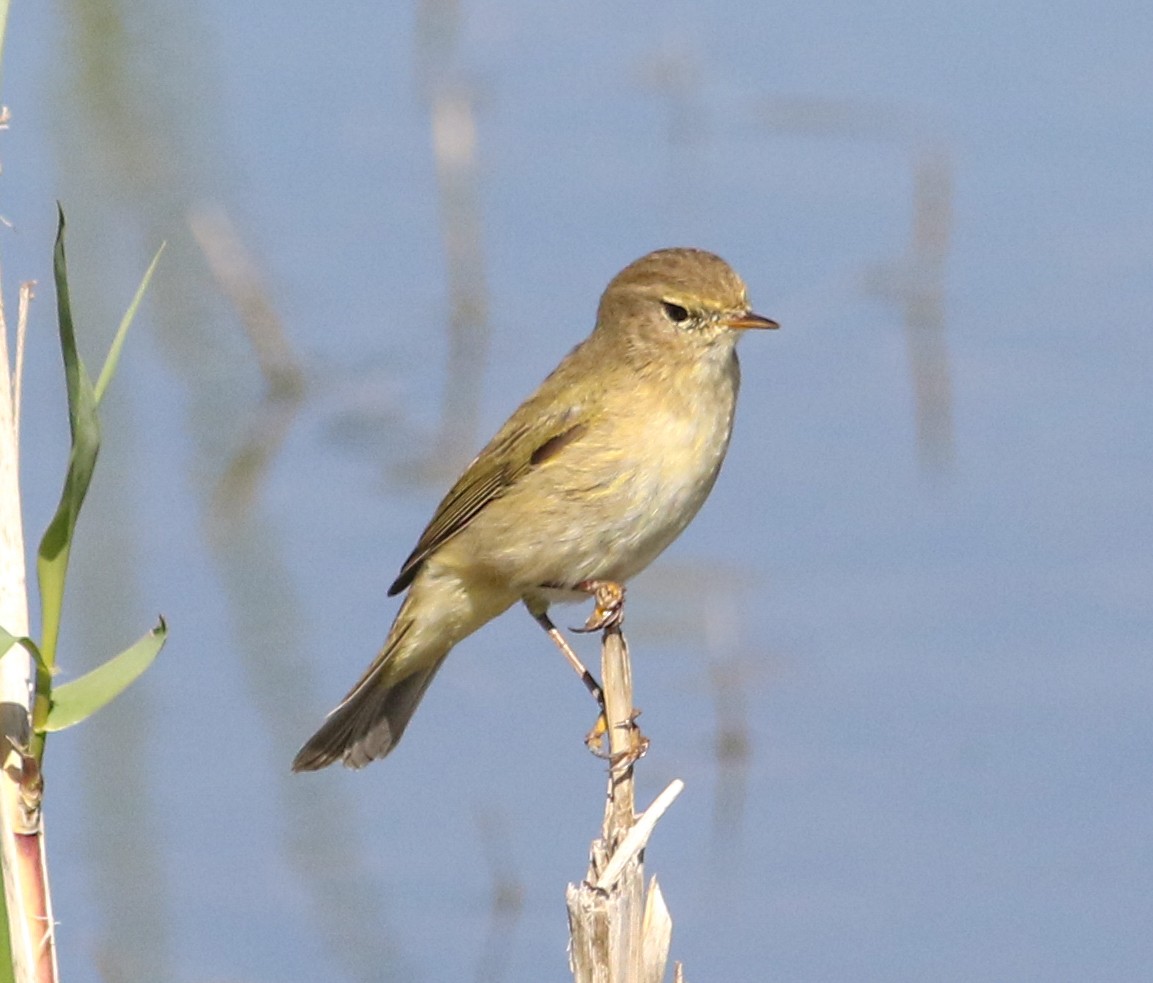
{"points": [[30, 925]]}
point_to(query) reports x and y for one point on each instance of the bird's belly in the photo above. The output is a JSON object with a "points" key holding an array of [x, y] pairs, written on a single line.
{"points": [[652, 505]]}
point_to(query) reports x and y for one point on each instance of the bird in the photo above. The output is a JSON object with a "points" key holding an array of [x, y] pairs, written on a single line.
{"points": [[588, 481]]}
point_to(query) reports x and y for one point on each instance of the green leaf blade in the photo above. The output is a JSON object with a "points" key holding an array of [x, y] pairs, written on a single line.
{"points": [[77, 700], [56, 545], [7, 640], [113, 358]]}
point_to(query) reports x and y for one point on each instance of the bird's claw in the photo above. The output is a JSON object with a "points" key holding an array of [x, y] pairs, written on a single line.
{"points": [[630, 756], [638, 746], [610, 604]]}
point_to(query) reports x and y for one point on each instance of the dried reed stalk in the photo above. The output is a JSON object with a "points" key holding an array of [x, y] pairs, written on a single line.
{"points": [[619, 933]]}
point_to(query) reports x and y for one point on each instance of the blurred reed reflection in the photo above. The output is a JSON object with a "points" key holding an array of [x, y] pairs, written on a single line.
{"points": [[453, 120], [917, 286], [238, 275], [507, 900], [131, 151], [323, 843], [451, 100], [698, 605], [128, 153], [674, 75], [916, 282]]}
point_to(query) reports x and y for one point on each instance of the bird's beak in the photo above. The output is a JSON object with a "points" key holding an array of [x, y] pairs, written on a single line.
{"points": [[742, 322]]}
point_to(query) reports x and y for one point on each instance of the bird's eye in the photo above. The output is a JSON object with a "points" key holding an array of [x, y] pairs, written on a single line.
{"points": [[675, 312]]}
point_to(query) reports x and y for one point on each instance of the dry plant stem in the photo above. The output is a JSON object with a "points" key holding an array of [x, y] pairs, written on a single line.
{"points": [[618, 933], [637, 836], [617, 681], [27, 292], [30, 924]]}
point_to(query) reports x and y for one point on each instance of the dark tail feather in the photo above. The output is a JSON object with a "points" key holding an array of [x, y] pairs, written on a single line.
{"points": [[365, 726], [368, 722]]}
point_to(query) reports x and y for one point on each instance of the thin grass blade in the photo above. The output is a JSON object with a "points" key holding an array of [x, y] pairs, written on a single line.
{"points": [[113, 358]]}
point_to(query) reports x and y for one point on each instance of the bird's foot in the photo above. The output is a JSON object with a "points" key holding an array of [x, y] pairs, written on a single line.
{"points": [[610, 604], [638, 744], [595, 738]]}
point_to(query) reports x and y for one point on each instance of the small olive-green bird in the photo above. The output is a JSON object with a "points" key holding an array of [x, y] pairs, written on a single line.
{"points": [[588, 481]]}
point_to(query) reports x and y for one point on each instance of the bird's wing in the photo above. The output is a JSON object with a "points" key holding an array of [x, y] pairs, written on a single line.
{"points": [[522, 444]]}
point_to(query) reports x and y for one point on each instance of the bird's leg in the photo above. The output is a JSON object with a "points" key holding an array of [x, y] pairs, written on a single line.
{"points": [[610, 604], [594, 739], [608, 612], [561, 643], [607, 616]]}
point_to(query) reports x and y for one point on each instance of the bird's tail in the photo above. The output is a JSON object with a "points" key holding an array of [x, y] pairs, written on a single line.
{"points": [[370, 720]]}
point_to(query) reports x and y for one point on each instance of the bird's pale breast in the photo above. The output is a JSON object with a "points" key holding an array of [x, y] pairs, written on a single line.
{"points": [[609, 503]]}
